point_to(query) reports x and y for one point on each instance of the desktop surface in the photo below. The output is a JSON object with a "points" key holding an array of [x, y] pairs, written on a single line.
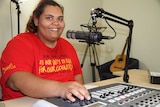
{"points": [[136, 77]]}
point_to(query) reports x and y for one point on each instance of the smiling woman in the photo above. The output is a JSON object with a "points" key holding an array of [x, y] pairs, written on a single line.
{"points": [[39, 62]]}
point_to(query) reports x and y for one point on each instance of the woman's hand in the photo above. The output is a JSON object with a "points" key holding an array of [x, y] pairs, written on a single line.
{"points": [[70, 90]]}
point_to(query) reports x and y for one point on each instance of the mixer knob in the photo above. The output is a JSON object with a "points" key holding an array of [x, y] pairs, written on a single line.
{"points": [[87, 101], [102, 96], [82, 103]]}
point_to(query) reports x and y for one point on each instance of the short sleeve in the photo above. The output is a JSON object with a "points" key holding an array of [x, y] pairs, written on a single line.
{"points": [[17, 56]]}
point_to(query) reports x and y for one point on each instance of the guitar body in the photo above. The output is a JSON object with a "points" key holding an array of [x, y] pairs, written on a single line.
{"points": [[118, 64]]}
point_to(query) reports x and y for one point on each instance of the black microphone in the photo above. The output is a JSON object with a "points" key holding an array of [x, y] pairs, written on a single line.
{"points": [[93, 15], [88, 36]]}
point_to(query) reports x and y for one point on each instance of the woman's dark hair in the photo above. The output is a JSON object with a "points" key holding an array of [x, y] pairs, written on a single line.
{"points": [[38, 11]]}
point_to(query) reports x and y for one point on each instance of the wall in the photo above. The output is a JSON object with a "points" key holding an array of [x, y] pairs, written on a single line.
{"points": [[146, 33]]}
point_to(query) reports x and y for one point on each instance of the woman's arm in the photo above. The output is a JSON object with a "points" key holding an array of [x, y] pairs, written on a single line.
{"points": [[33, 86], [79, 78]]}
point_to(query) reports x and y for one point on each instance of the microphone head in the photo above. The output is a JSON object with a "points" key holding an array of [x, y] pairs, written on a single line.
{"points": [[82, 35], [71, 34]]}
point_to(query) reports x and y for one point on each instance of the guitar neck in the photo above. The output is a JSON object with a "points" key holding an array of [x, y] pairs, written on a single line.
{"points": [[124, 47]]}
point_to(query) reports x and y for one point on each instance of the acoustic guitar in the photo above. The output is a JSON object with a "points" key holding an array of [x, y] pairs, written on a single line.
{"points": [[120, 61]]}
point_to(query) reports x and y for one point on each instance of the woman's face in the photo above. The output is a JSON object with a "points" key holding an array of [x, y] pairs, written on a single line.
{"points": [[50, 25]]}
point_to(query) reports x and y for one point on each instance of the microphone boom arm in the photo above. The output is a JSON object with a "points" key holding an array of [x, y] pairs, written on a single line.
{"points": [[129, 23]]}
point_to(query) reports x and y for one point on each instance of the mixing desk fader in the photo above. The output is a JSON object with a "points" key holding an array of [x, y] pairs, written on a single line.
{"points": [[115, 95]]}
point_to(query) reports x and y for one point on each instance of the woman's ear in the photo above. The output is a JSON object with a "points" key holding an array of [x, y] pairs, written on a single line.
{"points": [[35, 21]]}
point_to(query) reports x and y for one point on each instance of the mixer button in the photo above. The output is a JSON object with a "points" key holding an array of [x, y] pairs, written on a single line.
{"points": [[132, 93], [111, 101], [120, 103], [95, 93], [101, 92], [127, 95], [109, 97], [117, 99], [95, 96], [122, 97]]}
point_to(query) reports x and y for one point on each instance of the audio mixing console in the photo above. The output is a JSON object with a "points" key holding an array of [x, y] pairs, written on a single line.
{"points": [[115, 95]]}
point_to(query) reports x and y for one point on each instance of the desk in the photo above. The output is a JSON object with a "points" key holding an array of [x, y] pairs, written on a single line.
{"points": [[138, 77], [19, 102]]}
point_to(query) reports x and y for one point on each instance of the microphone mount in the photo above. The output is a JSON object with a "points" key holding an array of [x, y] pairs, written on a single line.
{"points": [[93, 28], [100, 13]]}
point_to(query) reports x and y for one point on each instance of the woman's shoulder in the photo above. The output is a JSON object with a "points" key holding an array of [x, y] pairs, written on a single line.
{"points": [[22, 39], [25, 35]]}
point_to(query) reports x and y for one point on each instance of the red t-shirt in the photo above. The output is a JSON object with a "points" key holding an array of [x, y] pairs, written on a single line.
{"points": [[26, 52]]}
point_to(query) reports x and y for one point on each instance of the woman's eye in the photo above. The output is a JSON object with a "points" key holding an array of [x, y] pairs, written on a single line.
{"points": [[49, 18], [60, 19]]}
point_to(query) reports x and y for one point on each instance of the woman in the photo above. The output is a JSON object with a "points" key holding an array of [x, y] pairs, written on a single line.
{"points": [[39, 63]]}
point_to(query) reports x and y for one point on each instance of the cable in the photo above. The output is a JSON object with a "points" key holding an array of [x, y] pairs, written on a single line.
{"points": [[112, 29]]}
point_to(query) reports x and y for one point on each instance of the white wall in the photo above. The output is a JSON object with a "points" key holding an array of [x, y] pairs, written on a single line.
{"points": [[146, 30], [146, 33]]}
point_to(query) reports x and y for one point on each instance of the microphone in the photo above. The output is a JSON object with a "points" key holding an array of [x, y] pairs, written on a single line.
{"points": [[88, 36], [93, 15]]}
